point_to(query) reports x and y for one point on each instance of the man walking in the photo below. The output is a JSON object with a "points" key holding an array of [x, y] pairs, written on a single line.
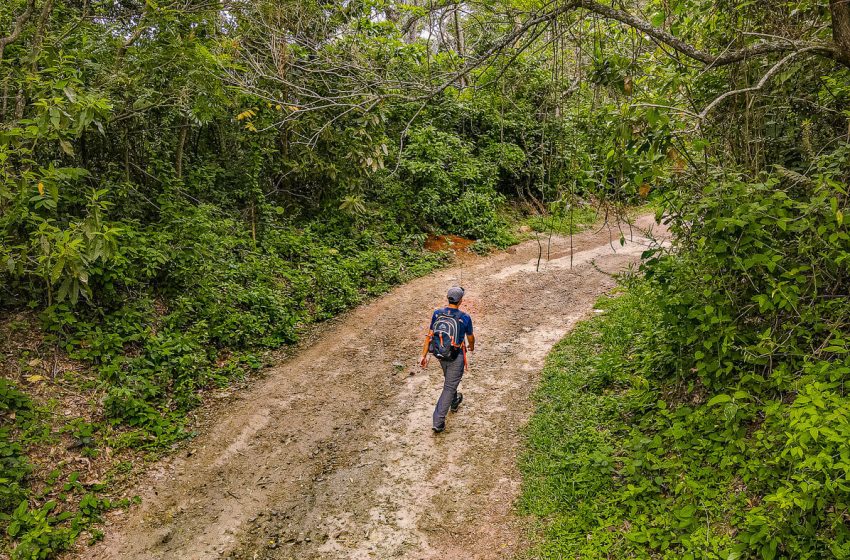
{"points": [[449, 338]]}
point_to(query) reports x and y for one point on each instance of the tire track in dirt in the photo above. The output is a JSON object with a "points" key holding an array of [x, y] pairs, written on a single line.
{"points": [[331, 455]]}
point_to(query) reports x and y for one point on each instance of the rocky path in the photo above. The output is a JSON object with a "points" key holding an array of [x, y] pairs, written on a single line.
{"points": [[331, 455]]}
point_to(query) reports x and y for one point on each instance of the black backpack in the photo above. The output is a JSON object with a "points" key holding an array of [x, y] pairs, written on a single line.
{"points": [[444, 343]]}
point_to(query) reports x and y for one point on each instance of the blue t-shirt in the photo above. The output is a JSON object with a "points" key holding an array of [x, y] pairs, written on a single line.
{"points": [[464, 321]]}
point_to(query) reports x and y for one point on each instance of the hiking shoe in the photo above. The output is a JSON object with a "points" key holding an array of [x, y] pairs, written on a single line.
{"points": [[438, 429], [456, 402]]}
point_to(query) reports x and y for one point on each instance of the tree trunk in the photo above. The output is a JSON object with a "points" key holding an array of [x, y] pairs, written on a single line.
{"points": [[840, 10], [5, 104], [253, 224], [38, 39], [181, 143], [460, 42], [126, 156], [444, 34], [412, 27], [20, 104], [392, 15]]}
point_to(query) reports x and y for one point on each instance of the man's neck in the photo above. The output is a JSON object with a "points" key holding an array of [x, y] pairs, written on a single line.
{"points": [[454, 306]]}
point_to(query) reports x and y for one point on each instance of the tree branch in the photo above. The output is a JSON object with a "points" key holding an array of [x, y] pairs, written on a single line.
{"points": [[761, 83], [660, 35], [508, 39], [730, 57], [19, 26], [141, 26], [40, 30]]}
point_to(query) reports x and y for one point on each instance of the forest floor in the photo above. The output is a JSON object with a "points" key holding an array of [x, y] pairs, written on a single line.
{"points": [[331, 454]]}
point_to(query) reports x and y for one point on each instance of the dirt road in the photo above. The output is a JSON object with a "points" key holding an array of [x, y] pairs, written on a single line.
{"points": [[331, 456]]}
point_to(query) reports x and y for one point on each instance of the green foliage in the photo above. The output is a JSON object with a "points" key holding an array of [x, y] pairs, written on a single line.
{"points": [[575, 475], [705, 415], [764, 333], [42, 532], [40, 528], [453, 189], [563, 219], [770, 258], [39, 538], [14, 465]]}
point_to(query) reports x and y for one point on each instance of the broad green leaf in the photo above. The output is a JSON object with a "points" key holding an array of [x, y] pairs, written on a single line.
{"points": [[719, 399]]}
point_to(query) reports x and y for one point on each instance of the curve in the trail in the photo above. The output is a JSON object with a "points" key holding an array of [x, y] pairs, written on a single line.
{"points": [[331, 455]]}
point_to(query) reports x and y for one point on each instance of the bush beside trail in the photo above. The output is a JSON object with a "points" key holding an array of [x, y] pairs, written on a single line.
{"points": [[705, 414]]}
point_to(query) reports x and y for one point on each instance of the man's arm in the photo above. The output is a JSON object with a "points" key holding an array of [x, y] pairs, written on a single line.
{"points": [[470, 342], [423, 359]]}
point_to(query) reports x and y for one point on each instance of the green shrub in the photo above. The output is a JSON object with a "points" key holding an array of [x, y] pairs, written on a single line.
{"points": [[454, 190], [33, 526], [706, 414], [40, 534], [36, 532], [212, 291], [14, 465]]}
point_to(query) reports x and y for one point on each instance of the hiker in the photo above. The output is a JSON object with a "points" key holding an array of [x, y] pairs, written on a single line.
{"points": [[445, 340]]}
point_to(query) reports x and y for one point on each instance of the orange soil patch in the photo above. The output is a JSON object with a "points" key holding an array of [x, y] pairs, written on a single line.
{"points": [[447, 243]]}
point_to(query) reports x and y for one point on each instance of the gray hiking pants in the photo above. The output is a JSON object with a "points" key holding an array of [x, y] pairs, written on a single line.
{"points": [[452, 374]]}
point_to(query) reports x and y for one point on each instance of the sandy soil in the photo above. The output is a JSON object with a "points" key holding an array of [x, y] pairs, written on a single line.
{"points": [[331, 456]]}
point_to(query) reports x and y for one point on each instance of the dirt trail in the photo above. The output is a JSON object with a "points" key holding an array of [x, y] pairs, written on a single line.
{"points": [[331, 456]]}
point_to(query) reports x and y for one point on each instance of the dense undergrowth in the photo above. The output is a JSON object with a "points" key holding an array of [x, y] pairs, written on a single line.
{"points": [[706, 413]]}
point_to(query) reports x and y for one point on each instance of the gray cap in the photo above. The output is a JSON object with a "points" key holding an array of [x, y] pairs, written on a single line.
{"points": [[455, 294]]}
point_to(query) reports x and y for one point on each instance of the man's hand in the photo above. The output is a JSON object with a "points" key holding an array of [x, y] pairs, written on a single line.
{"points": [[423, 361]]}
